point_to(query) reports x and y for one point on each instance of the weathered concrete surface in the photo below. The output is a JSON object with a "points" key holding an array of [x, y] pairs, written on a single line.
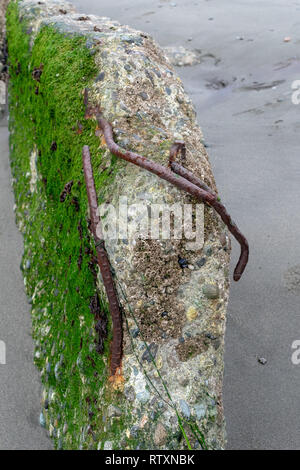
{"points": [[180, 310], [253, 138]]}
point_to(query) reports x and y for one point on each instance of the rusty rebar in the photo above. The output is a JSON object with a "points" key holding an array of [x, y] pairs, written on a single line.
{"points": [[221, 210], [184, 180], [104, 264], [178, 146]]}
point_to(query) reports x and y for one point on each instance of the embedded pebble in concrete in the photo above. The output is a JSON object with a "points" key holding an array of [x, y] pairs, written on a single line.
{"points": [[211, 291], [185, 409], [200, 411]]}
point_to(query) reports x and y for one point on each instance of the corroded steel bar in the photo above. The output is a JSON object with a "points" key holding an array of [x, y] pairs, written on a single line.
{"points": [[220, 208], [176, 167], [149, 165], [178, 146], [182, 183], [104, 264]]}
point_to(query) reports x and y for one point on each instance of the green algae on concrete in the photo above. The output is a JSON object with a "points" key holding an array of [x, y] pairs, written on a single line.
{"points": [[48, 130], [47, 133]]}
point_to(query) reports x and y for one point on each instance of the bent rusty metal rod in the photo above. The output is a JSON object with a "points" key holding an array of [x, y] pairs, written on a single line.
{"points": [[221, 209], [177, 147], [104, 264], [183, 183], [180, 170]]}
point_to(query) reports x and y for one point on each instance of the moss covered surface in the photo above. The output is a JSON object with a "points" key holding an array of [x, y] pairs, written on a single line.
{"points": [[48, 131]]}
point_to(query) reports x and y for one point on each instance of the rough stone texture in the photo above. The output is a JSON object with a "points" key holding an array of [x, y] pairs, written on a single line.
{"points": [[177, 310], [3, 66]]}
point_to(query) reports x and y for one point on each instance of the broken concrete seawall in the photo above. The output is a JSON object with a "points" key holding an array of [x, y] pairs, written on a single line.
{"points": [[169, 392]]}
